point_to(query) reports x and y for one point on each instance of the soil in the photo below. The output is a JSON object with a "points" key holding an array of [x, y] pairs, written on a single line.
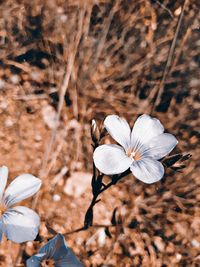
{"points": [[64, 63]]}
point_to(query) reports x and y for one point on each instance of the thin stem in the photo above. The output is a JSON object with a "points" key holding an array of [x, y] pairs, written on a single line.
{"points": [[99, 188], [88, 222], [115, 179], [92, 226]]}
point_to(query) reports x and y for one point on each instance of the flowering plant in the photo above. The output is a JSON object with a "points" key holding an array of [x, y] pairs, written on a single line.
{"points": [[138, 151]]}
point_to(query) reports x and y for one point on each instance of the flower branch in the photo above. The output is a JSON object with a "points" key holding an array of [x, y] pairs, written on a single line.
{"points": [[142, 148]]}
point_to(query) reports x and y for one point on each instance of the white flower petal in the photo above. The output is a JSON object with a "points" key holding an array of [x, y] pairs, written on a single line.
{"points": [[147, 170], [3, 179], [111, 159], [159, 146], [119, 129], [21, 224], [22, 187], [144, 129]]}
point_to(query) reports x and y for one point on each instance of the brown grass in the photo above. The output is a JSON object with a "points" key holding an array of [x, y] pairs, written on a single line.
{"points": [[79, 60]]}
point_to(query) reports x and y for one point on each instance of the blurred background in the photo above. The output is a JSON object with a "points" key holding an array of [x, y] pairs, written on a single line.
{"points": [[64, 63]]}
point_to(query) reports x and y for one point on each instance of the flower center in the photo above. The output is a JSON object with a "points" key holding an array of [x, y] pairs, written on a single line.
{"points": [[2, 209], [48, 263], [133, 155]]}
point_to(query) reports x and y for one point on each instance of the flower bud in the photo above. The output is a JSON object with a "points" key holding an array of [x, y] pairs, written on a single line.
{"points": [[95, 133], [175, 162]]}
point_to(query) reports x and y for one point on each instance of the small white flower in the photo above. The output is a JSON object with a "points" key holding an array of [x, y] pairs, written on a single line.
{"points": [[140, 148], [19, 224]]}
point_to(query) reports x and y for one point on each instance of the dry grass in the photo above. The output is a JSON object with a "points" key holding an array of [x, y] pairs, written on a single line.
{"points": [[73, 61]]}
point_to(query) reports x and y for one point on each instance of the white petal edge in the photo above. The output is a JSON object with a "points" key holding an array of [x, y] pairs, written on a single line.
{"points": [[147, 170], [144, 129], [3, 179], [20, 224], [111, 159], [22, 187], [159, 146], [119, 129]]}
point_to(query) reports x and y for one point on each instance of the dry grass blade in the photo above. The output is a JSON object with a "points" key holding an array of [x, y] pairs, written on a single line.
{"points": [[159, 90], [70, 63], [63, 89]]}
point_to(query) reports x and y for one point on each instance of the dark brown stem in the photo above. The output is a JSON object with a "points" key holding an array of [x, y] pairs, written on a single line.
{"points": [[97, 188], [92, 226], [115, 179], [89, 213]]}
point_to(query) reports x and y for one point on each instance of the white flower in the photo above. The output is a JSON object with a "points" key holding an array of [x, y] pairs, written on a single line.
{"points": [[19, 224], [140, 148]]}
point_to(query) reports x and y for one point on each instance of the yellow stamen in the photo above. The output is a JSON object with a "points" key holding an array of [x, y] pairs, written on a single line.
{"points": [[133, 155]]}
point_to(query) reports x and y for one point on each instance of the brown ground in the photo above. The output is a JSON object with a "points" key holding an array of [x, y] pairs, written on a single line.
{"points": [[114, 54]]}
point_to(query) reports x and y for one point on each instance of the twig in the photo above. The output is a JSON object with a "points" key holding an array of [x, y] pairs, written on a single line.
{"points": [[18, 65], [165, 8], [160, 89], [31, 97], [185, 38]]}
